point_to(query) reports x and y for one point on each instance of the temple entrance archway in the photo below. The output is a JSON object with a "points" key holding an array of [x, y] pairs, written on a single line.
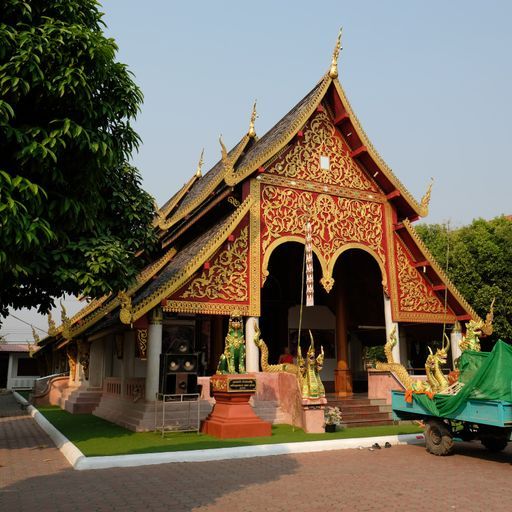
{"points": [[344, 321]]}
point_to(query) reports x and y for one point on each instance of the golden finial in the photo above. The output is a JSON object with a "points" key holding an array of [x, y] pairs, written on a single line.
{"points": [[254, 116], [52, 329], [36, 337], [66, 323], [487, 327], [125, 314], [425, 200], [333, 72], [225, 159], [200, 165]]}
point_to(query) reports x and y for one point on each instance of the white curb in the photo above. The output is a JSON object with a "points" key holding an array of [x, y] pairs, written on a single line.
{"points": [[80, 462]]}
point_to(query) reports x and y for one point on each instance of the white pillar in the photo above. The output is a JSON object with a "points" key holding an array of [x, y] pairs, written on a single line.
{"points": [[455, 337], [154, 349], [389, 327], [252, 352]]}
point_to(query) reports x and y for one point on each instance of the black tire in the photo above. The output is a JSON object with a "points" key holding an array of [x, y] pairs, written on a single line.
{"points": [[438, 437], [494, 439]]}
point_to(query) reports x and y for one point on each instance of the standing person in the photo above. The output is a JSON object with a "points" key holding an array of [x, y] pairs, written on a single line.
{"points": [[286, 357]]}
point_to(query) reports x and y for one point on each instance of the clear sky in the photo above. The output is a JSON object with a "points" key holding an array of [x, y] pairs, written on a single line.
{"points": [[429, 81]]}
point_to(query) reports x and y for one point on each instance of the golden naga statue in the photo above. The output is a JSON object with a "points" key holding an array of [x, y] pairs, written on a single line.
{"points": [[476, 329], [265, 366], [233, 358], [390, 366], [310, 383], [435, 377], [436, 381]]}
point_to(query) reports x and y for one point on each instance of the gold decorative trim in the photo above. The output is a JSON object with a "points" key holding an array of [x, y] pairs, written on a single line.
{"points": [[373, 152], [142, 278], [142, 343], [163, 212], [333, 190], [414, 295], [225, 173], [439, 271], [254, 250], [336, 223], [208, 308], [302, 160], [187, 272], [226, 278], [286, 137]]}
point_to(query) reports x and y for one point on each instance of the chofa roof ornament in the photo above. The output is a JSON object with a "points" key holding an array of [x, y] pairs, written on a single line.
{"points": [[333, 72]]}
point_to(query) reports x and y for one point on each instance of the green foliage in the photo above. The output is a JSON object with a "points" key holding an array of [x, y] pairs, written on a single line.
{"points": [[479, 264], [374, 354], [72, 212]]}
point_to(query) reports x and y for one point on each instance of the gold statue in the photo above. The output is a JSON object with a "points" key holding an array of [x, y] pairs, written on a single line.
{"points": [[310, 383]]}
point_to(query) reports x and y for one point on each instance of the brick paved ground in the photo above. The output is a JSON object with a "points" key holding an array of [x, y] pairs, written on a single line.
{"points": [[35, 477]]}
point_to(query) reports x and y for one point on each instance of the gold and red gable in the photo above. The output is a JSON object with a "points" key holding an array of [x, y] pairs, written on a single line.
{"points": [[223, 282]]}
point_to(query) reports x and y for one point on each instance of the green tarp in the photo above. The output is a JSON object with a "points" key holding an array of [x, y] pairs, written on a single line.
{"points": [[485, 375]]}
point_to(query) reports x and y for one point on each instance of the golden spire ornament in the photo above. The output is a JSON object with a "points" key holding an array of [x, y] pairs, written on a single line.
{"points": [[224, 151], [254, 116], [425, 200], [333, 72], [36, 337], [52, 328], [200, 165], [66, 322]]}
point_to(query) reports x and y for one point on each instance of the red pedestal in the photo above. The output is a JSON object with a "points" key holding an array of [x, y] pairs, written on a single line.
{"points": [[232, 416]]}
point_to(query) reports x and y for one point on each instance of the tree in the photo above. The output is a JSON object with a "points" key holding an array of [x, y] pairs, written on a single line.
{"points": [[72, 211], [479, 264]]}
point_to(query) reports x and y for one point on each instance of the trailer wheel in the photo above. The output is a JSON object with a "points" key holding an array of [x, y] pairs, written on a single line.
{"points": [[438, 437], [494, 439]]}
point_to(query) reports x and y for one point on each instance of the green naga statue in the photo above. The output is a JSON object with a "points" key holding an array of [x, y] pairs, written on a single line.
{"points": [[233, 358]]}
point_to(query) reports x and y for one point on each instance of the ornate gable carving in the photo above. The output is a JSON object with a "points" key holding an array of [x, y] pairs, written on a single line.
{"points": [[226, 279], [413, 293], [337, 223], [302, 160]]}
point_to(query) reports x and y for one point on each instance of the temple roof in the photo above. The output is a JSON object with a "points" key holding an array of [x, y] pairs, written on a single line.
{"points": [[172, 269]]}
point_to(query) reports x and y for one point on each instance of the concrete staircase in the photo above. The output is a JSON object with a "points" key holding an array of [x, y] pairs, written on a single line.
{"points": [[361, 411], [80, 401]]}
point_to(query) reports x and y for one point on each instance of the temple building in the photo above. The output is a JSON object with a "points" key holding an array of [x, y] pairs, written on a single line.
{"points": [[233, 239]]}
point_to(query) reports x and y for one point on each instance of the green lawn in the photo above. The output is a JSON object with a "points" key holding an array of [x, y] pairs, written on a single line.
{"points": [[94, 436]]}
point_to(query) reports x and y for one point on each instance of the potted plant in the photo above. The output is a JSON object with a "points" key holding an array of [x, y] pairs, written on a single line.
{"points": [[332, 417], [373, 354]]}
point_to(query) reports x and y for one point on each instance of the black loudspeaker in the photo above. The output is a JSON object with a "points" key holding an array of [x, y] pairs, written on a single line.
{"points": [[180, 383], [178, 373]]}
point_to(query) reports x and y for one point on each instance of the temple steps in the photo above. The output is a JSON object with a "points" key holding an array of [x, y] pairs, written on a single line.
{"points": [[361, 411], [79, 401]]}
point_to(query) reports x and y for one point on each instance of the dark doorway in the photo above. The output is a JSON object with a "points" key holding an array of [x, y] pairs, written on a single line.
{"points": [[359, 279], [4, 367]]}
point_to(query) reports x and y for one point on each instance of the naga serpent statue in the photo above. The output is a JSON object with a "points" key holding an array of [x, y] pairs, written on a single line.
{"points": [[307, 370], [399, 370], [435, 377], [436, 381], [475, 329], [265, 366], [233, 358]]}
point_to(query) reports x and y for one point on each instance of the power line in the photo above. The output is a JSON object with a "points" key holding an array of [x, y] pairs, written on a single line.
{"points": [[30, 325]]}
